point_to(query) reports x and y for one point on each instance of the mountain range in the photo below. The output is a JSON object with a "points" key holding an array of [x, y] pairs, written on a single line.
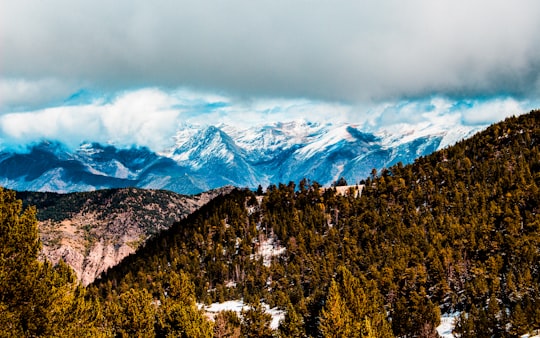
{"points": [[208, 157]]}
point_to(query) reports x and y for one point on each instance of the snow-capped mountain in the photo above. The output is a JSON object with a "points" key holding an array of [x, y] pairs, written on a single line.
{"points": [[206, 157]]}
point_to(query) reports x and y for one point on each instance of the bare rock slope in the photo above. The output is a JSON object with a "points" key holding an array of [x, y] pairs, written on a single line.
{"points": [[93, 231]]}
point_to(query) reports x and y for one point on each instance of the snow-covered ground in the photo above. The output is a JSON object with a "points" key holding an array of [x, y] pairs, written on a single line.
{"points": [[238, 306], [529, 336], [448, 322], [267, 250]]}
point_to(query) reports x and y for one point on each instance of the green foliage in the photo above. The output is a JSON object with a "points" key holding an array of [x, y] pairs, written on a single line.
{"points": [[132, 314], [178, 312], [227, 325], [354, 308], [256, 322], [336, 318], [293, 324], [37, 299]]}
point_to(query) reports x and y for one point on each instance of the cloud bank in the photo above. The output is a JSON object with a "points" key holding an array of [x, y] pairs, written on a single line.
{"points": [[151, 117], [350, 51]]}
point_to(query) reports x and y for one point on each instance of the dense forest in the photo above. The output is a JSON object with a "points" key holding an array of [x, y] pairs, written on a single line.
{"points": [[456, 231]]}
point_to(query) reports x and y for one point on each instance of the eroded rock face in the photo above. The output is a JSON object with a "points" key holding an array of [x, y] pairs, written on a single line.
{"points": [[94, 231]]}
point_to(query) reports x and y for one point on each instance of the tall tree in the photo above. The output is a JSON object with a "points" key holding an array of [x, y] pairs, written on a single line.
{"points": [[256, 322], [335, 316]]}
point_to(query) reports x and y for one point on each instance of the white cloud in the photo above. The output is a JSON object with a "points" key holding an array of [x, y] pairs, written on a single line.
{"points": [[488, 111], [144, 117], [443, 111], [151, 117]]}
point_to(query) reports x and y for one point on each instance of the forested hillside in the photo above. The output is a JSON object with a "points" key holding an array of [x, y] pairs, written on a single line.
{"points": [[458, 230]]}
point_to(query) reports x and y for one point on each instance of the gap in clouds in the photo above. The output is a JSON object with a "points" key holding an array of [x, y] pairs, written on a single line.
{"points": [[151, 117]]}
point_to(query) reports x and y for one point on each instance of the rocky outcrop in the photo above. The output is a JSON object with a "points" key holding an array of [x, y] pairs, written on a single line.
{"points": [[94, 231]]}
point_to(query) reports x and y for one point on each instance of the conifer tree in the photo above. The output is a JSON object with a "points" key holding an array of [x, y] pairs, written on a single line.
{"points": [[256, 322], [293, 324], [19, 268], [132, 314], [519, 321], [227, 325], [37, 299], [335, 319], [178, 314]]}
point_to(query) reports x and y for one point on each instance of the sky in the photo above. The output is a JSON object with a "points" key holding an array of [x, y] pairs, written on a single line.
{"points": [[133, 71]]}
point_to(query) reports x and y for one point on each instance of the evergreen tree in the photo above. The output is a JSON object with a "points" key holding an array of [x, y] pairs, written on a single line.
{"points": [[293, 324], [178, 314], [132, 314], [19, 268], [227, 325], [37, 299], [335, 319], [256, 322]]}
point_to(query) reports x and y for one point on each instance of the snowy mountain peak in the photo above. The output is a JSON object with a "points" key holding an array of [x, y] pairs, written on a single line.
{"points": [[209, 144], [206, 157]]}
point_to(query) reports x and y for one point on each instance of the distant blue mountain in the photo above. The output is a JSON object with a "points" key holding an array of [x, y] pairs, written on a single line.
{"points": [[209, 157]]}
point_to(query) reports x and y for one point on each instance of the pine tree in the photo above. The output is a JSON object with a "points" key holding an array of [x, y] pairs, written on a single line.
{"points": [[256, 322], [19, 268], [519, 321], [293, 324], [178, 314], [132, 314], [37, 299], [227, 325], [335, 319]]}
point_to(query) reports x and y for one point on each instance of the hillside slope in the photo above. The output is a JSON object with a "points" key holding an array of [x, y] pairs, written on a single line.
{"points": [[458, 230], [93, 231]]}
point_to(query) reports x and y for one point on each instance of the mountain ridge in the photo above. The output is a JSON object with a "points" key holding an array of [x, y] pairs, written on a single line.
{"points": [[93, 231], [208, 157]]}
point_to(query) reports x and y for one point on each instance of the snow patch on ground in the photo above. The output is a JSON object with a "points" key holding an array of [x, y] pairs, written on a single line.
{"points": [[267, 250], [448, 322], [529, 336], [238, 306]]}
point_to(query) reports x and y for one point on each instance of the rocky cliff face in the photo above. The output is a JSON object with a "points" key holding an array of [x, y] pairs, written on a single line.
{"points": [[93, 231]]}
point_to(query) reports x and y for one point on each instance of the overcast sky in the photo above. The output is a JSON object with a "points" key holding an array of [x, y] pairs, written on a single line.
{"points": [[74, 62]]}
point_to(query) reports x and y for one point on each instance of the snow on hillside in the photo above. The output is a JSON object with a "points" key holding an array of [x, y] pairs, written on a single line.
{"points": [[449, 128], [537, 335], [281, 135], [267, 250], [325, 141], [238, 306], [206, 156], [448, 322]]}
